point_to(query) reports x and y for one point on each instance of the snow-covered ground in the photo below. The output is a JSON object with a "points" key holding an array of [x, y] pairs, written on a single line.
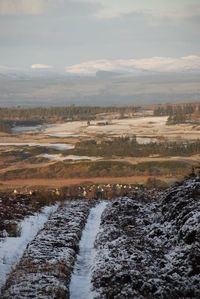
{"points": [[80, 285], [118, 127], [68, 128], [45, 268], [60, 157], [144, 249], [146, 140], [66, 134], [58, 146], [142, 127], [12, 248], [152, 127], [150, 249], [28, 129]]}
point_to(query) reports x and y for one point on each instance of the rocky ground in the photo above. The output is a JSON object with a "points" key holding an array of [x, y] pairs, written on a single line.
{"points": [[150, 249], [45, 268]]}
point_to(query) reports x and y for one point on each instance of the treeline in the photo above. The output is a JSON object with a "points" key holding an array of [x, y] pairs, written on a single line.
{"points": [[125, 146], [5, 126], [170, 110], [178, 114], [10, 117], [52, 114]]}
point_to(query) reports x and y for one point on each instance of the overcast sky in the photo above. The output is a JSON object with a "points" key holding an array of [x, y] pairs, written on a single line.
{"points": [[61, 33]]}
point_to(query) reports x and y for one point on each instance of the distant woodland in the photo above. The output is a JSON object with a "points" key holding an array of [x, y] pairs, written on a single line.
{"points": [[34, 116], [125, 146], [9, 117], [179, 114]]}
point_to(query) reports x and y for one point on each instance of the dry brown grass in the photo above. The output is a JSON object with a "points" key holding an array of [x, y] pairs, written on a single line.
{"points": [[57, 183]]}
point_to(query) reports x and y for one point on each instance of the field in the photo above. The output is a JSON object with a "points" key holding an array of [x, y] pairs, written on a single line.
{"points": [[100, 150], [143, 127]]}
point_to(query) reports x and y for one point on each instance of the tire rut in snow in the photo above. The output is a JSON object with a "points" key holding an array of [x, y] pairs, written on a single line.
{"points": [[45, 268], [80, 285]]}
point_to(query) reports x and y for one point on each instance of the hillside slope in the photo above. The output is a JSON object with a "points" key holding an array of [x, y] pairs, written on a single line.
{"points": [[151, 249]]}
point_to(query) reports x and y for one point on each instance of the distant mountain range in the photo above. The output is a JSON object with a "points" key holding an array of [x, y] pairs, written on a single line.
{"points": [[135, 66], [117, 82], [105, 67]]}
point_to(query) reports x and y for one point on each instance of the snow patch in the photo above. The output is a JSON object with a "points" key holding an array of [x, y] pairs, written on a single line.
{"points": [[12, 248], [58, 146], [60, 157]]}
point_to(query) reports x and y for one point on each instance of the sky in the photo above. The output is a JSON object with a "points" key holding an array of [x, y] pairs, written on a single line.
{"points": [[70, 33]]}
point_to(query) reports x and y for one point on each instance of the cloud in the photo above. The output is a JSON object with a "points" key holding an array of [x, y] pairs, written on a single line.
{"points": [[21, 7], [67, 32], [122, 8], [186, 12], [155, 64], [5, 69], [41, 7], [40, 66]]}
